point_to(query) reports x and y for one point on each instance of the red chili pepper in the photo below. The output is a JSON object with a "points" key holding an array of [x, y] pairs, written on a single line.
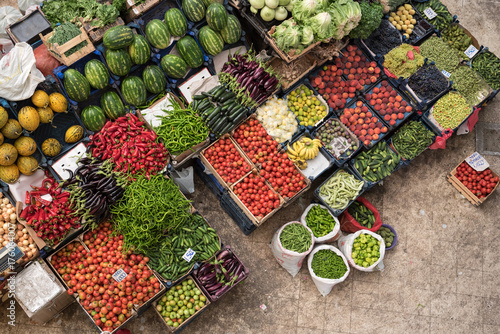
{"points": [[24, 213], [27, 199]]}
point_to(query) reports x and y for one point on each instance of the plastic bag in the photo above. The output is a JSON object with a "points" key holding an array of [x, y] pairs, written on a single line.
{"points": [[291, 261], [345, 245], [440, 142], [8, 15], [325, 285], [44, 61], [330, 237], [25, 4], [184, 179], [18, 73], [5, 46], [349, 224]]}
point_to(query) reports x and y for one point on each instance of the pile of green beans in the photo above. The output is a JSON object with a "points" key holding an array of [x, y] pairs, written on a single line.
{"points": [[488, 66], [469, 84], [320, 221], [327, 264], [438, 51], [450, 110], [412, 139], [340, 189], [181, 129], [296, 237]]}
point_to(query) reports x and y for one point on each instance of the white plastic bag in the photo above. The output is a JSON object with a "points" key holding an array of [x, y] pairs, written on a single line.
{"points": [[345, 245], [18, 73], [25, 4], [5, 46], [325, 285], [330, 237], [291, 261], [8, 15]]}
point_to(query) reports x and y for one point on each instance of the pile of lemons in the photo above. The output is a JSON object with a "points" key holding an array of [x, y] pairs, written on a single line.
{"points": [[403, 19]]}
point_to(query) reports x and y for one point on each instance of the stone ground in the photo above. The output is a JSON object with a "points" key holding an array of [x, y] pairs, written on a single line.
{"points": [[442, 277]]}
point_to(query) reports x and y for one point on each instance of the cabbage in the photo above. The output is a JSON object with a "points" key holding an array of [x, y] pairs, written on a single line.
{"points": [[322, 25], [303, 9], [288, 35], [307, 36]]}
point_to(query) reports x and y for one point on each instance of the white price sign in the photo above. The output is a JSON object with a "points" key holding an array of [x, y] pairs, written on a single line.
{"points": [[476, 161], [339, 146], [430, 13], [119, 275], [471, 51], [446, 73], [131, 2], [188, 256]]}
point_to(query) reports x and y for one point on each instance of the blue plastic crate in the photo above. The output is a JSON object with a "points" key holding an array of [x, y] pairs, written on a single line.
{"points": [[158, 13], [210, 181], [239, 217], [494, 92]]}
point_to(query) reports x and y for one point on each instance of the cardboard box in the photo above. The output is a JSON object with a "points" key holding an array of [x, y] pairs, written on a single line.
{"points": [[134, 11], [96, 34]]}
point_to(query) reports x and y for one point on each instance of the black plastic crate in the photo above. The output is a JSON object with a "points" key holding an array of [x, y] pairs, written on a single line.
{"points": [[95, 99], [209, 180], [28, 28], [138, 70], [256, 21], [239, 217]]}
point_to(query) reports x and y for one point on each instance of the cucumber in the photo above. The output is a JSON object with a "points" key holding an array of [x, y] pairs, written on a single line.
{"points": [[226, 96], [215, 118], [219, 124], [226, 128], [199, 97]]}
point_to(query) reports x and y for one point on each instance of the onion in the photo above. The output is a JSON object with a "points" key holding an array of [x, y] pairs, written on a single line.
{"points": [[20, 233], [25, 230], [13, 217], [32, 246], [4, 243], [30, 239], [5, 226], [25, 242], [2, 231]]}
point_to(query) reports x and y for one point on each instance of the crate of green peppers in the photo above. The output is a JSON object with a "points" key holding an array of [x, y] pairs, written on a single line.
{"points": [[460, 39], [443, 18], [470, 85], [449, 112], [487, 64], [328, 267], [412, 139], [324, 225]]}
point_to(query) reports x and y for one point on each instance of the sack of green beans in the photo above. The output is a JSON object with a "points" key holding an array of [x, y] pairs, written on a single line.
{"points": [[355, 247], [328, 267], [324, 225], [290, 245]]}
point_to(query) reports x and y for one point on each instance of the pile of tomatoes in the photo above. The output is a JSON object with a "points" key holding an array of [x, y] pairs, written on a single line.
{"points": [[254, 141], [256, 195], [226, 160], [89, 274], [480, 184], [281, 172]]}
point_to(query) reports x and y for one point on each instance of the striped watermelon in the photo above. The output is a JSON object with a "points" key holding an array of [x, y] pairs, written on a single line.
{"points": [[118, 37], [119, 61], [232, 32], [217, 16], [154, 79], [176, 22], [112, 105], [76, 85], [93, 118], [158, 34], [134, 90], [174, 66], [97, 74], [139, 51], [194, 10], [211, 41], [208, 2], [190, 51]]}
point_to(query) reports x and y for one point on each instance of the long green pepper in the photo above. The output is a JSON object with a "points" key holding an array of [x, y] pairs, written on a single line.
{"points": [[412, 139], [320, 221]]}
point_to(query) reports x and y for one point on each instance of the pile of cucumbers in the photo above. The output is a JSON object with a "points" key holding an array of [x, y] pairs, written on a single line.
{"points": [[378, 163], [220, 109]]}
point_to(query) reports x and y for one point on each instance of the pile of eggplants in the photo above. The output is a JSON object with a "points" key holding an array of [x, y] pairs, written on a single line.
{"points": [[219, 276]]}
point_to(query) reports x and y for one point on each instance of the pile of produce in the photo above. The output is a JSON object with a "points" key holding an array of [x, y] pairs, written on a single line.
{"points": [[365, 250], [443, 18], [320, 221], [190, 56], [386, 101], [383, 39], [378, 163], [130, 146], [488, 66], [438, 51], [99, 15], [303, 149], [220, 109], [337, 139], [64, 33], [340, 189], [271, 9], [250, 79], [428, 82], [403, 61], [412, 139], [481, 184], [108, 302], [387, 235], [361, 121], [227, 160], [254, 141], [328, 264], [181, 302], [450, 110], [17, 158], [296, 237], [362, 214], [277, 119], [470, 85], [306, 106], [282, 174], [222, 28], [52, 220], [256, 195], [371, 16], [180, 128], [456, 37], [403, 20]]}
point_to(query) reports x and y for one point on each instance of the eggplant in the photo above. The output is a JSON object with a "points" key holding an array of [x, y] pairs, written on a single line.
{"points": [[104, 182], [214, 287], [223, 254], [258, 73], [220, 292]]}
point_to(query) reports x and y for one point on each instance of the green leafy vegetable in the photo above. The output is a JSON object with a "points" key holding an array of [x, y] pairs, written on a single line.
{"points": [[64, 33], [371, 16], [60, 11]]}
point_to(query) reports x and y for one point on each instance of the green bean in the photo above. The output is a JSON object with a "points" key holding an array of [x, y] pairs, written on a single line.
{"points": [[327, 264], [450, 110], [469, 84], [412, 139], [436, 50], [296, 237], [320, 221], [340, 189]]}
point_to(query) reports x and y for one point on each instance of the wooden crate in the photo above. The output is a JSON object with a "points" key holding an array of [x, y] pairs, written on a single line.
{"points": [[96, 34], [285, 85], [285, 56], [57, 51], [134, 11]]}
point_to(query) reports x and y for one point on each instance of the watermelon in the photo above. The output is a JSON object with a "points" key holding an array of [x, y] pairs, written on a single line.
{"points": [[190, 51], [211, 41], [112, 105], [194, 10], [97, 74], [154, 79], [139, 51], [232, 32], [76, 85], [174, 66], [134, 90], [118, 37], [217, 16], [93, 118], [119, 61], [158, 34], [176, 22], [208, 2]]}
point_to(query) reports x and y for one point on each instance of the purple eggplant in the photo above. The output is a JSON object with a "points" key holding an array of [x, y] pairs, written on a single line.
{"points": [[222, 291], [258, 73], [271, 83], [214, 287]]}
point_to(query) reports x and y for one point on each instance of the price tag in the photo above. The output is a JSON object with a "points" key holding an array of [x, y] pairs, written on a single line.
{"points": [[47, 197], [131, 2], [339, 146], [471, 51], [430, 13], [446, 73], [136, 11], [119, 275], [476, 161], [188, 256]]}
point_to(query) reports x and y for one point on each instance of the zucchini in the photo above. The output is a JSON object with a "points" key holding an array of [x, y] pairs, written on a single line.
{"points": [[226, 96], [204, 104], [225, 129], [236, 112], [212, 91], [214, 118], [219, 124], [239, 118], [199, 97], [194, 105], [207, 112], [219, 93]]}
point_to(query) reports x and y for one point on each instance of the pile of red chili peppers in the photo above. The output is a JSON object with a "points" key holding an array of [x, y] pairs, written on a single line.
{"points": [[50, 219], [130, 145]]}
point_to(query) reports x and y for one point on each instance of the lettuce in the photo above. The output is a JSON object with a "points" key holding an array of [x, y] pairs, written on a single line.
{"points": [[304, 9], [307, 36], [322, 25]]}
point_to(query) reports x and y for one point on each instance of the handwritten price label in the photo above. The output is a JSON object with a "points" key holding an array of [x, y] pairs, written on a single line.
{"points": [[476, 161], [471, 51], [119, 275], [188, 256], [430, 13], [446, 73]]}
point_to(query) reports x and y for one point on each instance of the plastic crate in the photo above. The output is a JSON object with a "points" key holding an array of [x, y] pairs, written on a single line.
{"points": [[365, 44], [422, 30], [28, 28], [243, 222], [95, 99], [158, 13], [426, 117], [209, 180], [471, 63]]}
